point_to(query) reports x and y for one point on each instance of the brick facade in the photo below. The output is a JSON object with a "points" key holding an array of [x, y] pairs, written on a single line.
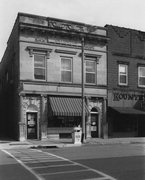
{"points": [[126, 46]]}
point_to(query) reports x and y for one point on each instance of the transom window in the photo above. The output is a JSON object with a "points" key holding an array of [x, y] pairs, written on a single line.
{"points": [[123, 74], [39, 67], [90, 71], [66, 69], [141, 76]]}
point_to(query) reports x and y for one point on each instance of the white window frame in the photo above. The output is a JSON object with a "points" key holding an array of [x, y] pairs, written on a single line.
{"points": [[140, 76], [44, 55], [125, 74], [95, 72], [71, 69]]}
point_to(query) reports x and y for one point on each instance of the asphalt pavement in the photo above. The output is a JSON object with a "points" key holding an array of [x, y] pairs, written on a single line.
{"points": [[45, 165], [11, 169], [108, 159]]}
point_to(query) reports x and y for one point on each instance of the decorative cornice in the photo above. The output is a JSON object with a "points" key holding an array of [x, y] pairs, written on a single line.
{"points": [[38, 49], [141, 64], [93, 56], [65, 51], [123, 62], [121, 32], [128, 55]]}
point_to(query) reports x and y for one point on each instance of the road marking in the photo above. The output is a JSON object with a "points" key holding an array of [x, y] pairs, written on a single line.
{"points": [[84, 166], [50, 166], [100, 178], [43, 161], [22, 164], [36, 158], [64, 172]]}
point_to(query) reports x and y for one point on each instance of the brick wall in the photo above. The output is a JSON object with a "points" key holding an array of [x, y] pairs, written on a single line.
{"points": [[125, 45]]}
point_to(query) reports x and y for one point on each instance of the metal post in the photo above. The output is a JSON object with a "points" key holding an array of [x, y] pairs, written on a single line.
{"points": [[83, 101]]}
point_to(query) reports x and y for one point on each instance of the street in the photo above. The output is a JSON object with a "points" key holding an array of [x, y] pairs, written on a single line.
{"points": [[108, 162]]}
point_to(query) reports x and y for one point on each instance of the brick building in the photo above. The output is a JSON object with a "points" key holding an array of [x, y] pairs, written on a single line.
{"points": [[40, 85], [126, 82]]}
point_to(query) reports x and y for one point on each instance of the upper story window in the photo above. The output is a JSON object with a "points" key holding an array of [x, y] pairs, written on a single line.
{"points": [[39, 67], [66, 69], [90, 71], [123, 74], [141, 76]]}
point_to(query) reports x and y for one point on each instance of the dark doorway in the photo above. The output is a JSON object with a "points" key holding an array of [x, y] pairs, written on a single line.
{"points": [[94, 123], [32, 125]]}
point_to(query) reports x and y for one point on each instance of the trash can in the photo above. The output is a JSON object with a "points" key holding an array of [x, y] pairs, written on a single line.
{"points": [[77, 135]]}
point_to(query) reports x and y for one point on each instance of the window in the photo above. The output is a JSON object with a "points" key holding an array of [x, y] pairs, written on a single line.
{"points": [[123, 74], [64, 121], [141, 76], [90, 72], [39, 67], [66, 69]]}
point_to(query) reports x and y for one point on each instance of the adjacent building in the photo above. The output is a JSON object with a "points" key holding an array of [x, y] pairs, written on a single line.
{"points": [[41, 78], [126, 82]]}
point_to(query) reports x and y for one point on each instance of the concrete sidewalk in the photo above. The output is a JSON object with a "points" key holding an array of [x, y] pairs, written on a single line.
{"points": [[132, 140], [52, 143]]}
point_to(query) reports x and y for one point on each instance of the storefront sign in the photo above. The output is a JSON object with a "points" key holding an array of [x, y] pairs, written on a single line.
{"points": [[128, 96]]}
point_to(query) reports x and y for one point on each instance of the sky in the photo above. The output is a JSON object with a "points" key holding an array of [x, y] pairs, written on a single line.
{"points": [[124, 13]]}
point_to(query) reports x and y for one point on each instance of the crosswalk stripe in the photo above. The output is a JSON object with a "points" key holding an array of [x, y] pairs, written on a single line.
{"points": [[84, 166], [26, 167], [63, 172], [50, 166], [38, 156]]}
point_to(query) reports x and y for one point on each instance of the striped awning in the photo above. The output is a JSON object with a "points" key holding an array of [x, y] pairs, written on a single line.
{"points": [[67, 106]]}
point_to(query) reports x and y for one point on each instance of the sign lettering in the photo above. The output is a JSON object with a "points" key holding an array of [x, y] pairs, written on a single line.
{"points": [[126, 96]]}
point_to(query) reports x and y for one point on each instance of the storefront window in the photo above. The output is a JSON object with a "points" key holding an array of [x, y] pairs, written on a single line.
{"points": [[64, 121], [141, 76], [125, 124]]}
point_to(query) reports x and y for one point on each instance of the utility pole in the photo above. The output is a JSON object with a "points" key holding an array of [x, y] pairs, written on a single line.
{"points": [[83, 100]]}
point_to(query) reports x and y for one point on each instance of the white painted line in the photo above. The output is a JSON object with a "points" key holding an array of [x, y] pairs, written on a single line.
{"points": [[50, 166], [84, 166], [44, 160], [100, 178], [63, 172], [31, 158], [22, 164]]}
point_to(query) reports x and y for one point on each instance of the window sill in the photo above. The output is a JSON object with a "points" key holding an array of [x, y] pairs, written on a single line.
{"points": [[123, 86], [141, 87]]}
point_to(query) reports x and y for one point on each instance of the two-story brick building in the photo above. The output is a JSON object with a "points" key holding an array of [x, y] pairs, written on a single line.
{"points": [[126, 82], [41, 78]]}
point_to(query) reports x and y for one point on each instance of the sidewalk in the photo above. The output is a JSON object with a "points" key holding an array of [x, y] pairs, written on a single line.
{"points": [[132, 140], [50, 143]]}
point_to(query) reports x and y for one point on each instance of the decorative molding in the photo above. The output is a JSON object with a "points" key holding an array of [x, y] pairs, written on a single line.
{"points": [[123, 62], [121, 32], [140, 64], [75, 27], [38, 49], [128, 55], [92, 55], [121, 54], [140, 35], [65, 51]]}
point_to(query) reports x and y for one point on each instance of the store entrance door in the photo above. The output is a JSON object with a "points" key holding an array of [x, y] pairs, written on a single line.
{"points": [[94, 123], [32, 125]]}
